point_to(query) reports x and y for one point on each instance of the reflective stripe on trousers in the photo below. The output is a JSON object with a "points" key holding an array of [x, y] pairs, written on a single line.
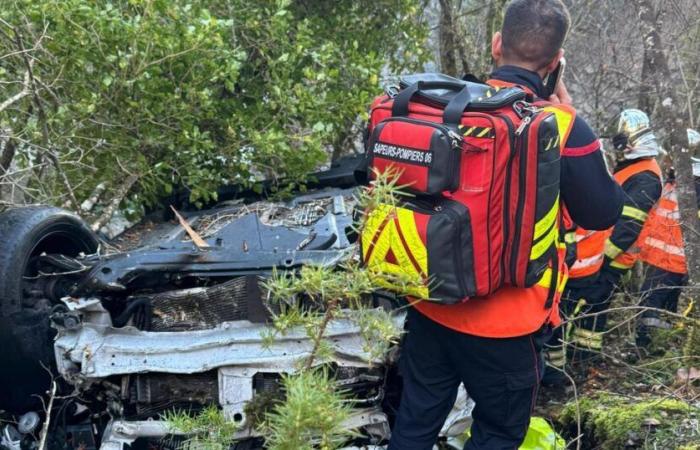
{"points": [[587, 339]]}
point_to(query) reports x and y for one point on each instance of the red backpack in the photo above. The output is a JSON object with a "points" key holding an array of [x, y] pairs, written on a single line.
{"points": [[482, 164]]}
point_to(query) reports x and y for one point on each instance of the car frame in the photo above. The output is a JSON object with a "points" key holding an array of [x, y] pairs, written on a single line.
{"points": [[126, 365]]}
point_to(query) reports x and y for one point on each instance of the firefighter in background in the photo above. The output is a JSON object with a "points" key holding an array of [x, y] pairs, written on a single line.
{"points": [[599, 259], [661, 248]]}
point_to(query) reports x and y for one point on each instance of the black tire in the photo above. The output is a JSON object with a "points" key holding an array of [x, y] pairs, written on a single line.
{"points": [[26, 339]]}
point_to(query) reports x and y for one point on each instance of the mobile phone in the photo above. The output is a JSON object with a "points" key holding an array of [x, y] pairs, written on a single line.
{"points": [[554, 77]]}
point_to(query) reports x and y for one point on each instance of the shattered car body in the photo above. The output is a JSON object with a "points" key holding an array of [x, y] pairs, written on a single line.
{"points": [[167, 325]]}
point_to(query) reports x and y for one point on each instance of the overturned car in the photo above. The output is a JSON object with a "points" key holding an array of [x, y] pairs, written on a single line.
{"points": [[131, 330]]}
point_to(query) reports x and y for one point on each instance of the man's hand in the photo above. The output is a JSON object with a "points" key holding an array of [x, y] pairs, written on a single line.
{"points": [[561, 95]]}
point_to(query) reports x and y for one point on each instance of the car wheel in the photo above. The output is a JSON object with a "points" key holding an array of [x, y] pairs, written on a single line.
{"points": [[26, 339]]}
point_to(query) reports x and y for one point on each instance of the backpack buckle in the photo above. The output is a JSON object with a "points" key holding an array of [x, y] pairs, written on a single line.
{"points": [[392, 90], [523, 108]]}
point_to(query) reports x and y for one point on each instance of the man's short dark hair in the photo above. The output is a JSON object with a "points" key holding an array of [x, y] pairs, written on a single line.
{"points": [[534, 31]]}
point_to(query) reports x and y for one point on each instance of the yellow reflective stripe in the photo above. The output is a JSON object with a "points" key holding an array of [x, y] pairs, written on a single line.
{"points": [[570, 327], [478, 132], [546, 280], [587, 344], [390, 240], [579, 306], [689, 309], [558, 363], [375, 218], [379, 272], [546, 222], [589, 339], [546, 238], [634, 213], [552, 143], [556, 358], [588, 334], [544, 244], [551, 353], [619, 265], [397, 247], [612, 251], [564, 119], [412, 238]]}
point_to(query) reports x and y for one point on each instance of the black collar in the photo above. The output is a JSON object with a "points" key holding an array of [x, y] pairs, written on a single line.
{"points": [[523, 77]]}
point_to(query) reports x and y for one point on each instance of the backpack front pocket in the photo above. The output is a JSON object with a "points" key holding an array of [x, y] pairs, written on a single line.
{"points": [[424, 155], [421, 248]]}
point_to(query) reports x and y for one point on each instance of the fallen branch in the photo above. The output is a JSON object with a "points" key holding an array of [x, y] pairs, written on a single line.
{"points": [[45, 427], [88, 204], [327, 317], [196, 238], [114, 204]]}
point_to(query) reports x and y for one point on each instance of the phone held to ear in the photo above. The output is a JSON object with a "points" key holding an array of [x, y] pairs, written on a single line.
{"points": [[551, 81]]}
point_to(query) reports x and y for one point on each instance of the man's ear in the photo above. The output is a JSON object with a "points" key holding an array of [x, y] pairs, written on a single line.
{"points": [[497, 47], [555, 61]]}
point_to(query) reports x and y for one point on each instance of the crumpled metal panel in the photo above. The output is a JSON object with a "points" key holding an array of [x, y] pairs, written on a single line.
{"points": [[95, 351], [119, 433]]}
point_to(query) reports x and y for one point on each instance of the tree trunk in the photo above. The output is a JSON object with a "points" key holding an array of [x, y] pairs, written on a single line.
{"points": [[494, 18], [448, 60], [7, 155], [674, 122], [645, 89]]}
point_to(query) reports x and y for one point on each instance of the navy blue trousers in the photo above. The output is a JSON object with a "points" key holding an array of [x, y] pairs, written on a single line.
{"points": [[500, 375], [661, 290]]}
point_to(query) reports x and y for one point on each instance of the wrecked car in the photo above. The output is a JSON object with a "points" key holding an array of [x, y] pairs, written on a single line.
{"points": [[149, 322]]}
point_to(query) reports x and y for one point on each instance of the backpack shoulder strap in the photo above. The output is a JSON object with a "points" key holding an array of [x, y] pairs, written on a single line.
{"points": [[506, 84], [565, 115]]}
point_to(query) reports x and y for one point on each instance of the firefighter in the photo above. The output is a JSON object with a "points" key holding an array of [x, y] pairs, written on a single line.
{"points": [[662, 250], [493, 344], [601, 258]]}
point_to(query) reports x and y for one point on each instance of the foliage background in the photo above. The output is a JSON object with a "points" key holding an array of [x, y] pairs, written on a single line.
{"points": [[188, 93]]}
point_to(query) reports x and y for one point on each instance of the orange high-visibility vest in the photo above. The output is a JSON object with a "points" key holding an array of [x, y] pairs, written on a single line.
{"points": [[661, 241], [589, 252], [590, 245], [511, 311]]}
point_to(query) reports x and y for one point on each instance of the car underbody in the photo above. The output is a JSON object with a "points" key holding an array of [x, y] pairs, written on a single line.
{"points": [[142, 328]]}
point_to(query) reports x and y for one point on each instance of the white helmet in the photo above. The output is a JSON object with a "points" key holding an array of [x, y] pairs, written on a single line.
{"points": [[640, 140], [694, 142]]}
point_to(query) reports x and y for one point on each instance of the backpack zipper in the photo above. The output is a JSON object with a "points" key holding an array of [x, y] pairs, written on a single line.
{"points": [[522, 147], [506, 201], [455, 139], [526, 121]]}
